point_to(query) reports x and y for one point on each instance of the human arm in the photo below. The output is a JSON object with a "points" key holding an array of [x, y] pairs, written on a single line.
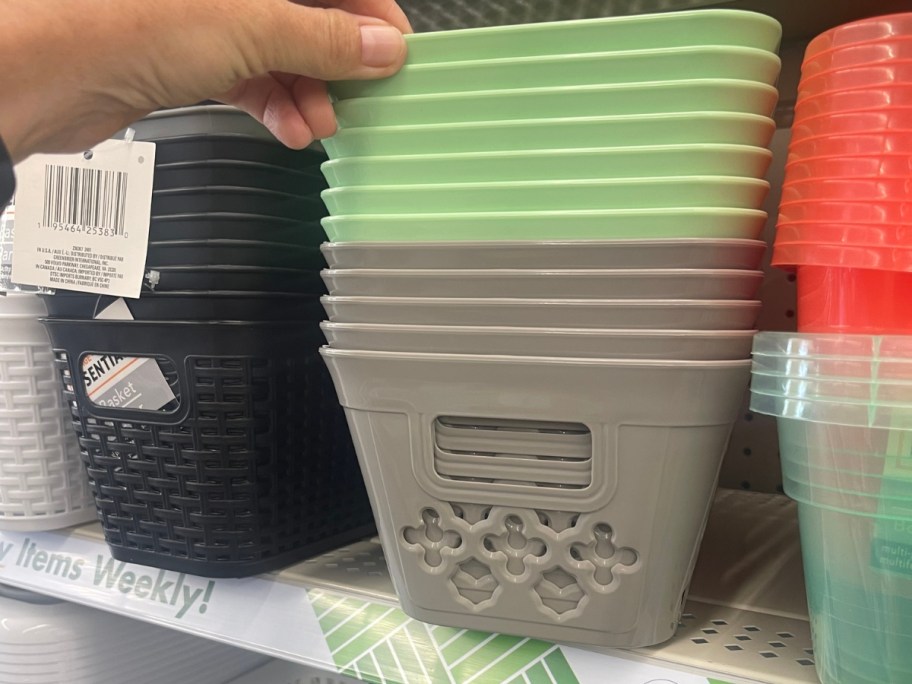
{"points": [[76, 71]]}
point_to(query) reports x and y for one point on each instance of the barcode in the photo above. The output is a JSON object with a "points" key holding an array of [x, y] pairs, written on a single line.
{"points": [[93, 198]]}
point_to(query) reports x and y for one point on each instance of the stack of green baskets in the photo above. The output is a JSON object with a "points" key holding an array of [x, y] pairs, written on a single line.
{"points": [[633, 127], [542, 290], [844, 408]]}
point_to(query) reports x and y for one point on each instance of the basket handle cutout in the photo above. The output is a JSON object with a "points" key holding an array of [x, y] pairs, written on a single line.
{"points": [[147, 388], [526, 452]]}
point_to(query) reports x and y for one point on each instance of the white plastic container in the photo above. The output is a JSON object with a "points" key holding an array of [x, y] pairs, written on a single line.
{"points": [[42, 482]]}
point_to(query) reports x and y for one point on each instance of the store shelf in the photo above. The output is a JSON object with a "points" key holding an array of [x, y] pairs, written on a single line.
{"points": [[745, 622]]}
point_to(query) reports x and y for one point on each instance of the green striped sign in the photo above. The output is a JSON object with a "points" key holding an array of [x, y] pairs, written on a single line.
{"points": [[381, 644]]}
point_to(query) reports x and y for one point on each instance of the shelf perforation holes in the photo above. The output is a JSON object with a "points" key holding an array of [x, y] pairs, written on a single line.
{"points": [[745, 640]]}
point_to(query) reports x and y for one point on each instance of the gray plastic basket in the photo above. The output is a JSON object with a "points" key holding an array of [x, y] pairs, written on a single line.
{"points": [[682, 253], [652, 314], [564, 342], [593, 546], [199, 120], [525, 283]]}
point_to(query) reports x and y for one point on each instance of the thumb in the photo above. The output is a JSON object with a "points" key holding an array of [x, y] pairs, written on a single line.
{"points": [[328, 44]]}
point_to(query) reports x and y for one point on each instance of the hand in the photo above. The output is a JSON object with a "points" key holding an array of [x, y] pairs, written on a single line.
{"points": [[76, 71]]}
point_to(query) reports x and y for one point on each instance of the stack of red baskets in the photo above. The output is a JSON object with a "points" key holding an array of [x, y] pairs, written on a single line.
{"points": [[845, 221]]}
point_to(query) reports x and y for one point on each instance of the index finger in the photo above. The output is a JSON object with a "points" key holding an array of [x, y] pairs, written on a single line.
{"points": [[387, 10]]}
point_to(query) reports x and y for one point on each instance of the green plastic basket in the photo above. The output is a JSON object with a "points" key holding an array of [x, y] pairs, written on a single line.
{"points": [[601, 68], [556, 225], [554, 134], [622, 193], [660, 97], [672, 29], [553, 165]]}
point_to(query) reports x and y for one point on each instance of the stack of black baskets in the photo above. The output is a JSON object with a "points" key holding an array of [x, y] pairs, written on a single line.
{"points": [[252, 467]]}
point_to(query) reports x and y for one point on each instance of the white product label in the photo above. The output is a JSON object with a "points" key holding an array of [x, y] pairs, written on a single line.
{"points": [[83, 219], [7, 219], [128, 382], [7, 235], [115, 311]]}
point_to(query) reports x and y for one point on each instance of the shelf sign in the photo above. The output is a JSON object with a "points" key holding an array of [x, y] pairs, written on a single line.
{"points": [[170, 593]]}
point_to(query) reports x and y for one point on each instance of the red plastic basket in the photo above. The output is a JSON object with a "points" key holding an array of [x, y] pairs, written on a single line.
{"points": [[788, 255], [860, 32], [877, 52], [883, 97], [851, 78], [856, 122], [854, 301], [873, 166], [870, 234], [886, 190], [871, 144], [834, 211]]}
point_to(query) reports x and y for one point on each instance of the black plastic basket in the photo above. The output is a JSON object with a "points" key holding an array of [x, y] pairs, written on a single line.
{"points": [[239, 200], [250, 470], [193, 148], [192, 306], [239, 174], [247, 278], [233, 253], [233, 226]]}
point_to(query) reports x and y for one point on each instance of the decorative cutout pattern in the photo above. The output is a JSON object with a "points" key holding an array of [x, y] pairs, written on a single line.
{"points": [[474, 581], [515, 545], [603, 554], [559, 591], [556, 558], [431, 537], [471, 513], [558, 520]]}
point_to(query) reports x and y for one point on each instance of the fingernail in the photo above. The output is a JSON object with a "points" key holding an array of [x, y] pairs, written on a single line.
{"points": [[380, 45]]}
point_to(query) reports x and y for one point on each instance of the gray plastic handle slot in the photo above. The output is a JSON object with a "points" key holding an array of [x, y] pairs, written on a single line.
{"points": [[520, 470], [515, 425], [495, 439]]}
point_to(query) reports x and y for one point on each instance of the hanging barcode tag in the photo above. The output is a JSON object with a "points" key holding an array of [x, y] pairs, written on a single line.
{"points": [[82, 220]]}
